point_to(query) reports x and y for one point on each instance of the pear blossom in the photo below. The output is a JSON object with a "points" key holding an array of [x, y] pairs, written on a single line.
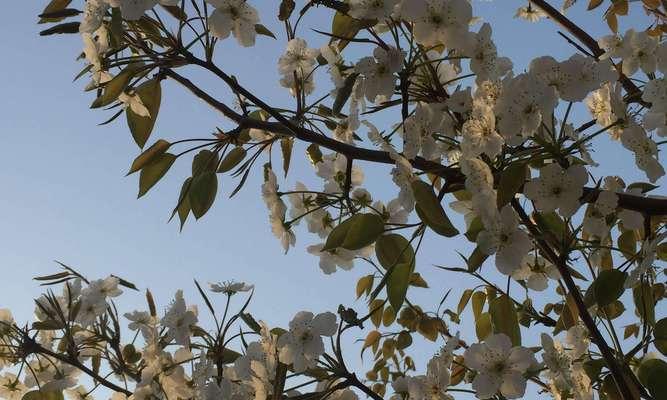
{"points": [[639, 52], [645, 260], [230, 287], [655, 92], [133, 102], [535, 271], [444, 22], [557, 188], [479, 134], [236, 17], [566, 376], [11, 388], [379, 73], [418, 130], [178, 320], [504, 239], [93, 15], [529, 13], [595, 219], [499, 366], [524, 103], [635, 139], [302, 345], [143, 322], [297, 57], [484, 60], [393, 212], [372, 9]]}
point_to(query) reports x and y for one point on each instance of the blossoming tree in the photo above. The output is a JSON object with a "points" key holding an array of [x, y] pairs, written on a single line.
{"points": [[466, 133]]}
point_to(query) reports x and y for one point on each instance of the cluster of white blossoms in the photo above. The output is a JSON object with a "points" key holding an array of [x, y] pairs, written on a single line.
{"points": [[564, 366], [235, 17], [296, 67], [277, 210]]}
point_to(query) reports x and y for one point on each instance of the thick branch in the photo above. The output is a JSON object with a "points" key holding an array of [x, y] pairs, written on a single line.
{"points": [[596, 336], [453, 176]]}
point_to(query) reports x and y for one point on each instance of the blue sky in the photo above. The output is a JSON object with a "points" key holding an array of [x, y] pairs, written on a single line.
{"points": [[65, 197]]}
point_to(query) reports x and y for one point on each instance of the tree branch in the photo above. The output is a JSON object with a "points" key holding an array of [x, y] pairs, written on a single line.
{"points": [[596, 336]]}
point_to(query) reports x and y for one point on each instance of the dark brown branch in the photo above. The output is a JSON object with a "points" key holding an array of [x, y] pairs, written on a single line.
{"points": [[453, 176], [560, 262]]}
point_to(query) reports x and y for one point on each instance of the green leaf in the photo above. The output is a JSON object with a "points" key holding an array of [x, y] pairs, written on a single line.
{"points": [[627, 243], [344, 26], [652, 374], [395, 253], [286, 146], [149, 155], [644, 187], [430, 210], [286, 9], [151, 174], [398, 282], [393, 249], [476, 259], [504, 318], [606, 288], [511, 180], [483, 326], [463, 302], [114, 87], [64, 28], [202, 193], [355, 233], [476, 226], [150, 93], [263, 30], [204, 161], [232, 159], [183, 207], [39, 395], [478, 300], [569, 315], [642, 295], [54, 6], [344, 93], [314, 154], [660, 334]]}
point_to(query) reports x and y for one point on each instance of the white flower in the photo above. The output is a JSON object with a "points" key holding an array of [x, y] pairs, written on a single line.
{"points": [[655, 92], [134, 103], [595, 222], [379, 73], [371, 9], [639, 52], [524, 103], [339, 257], [575, 77], [566, 376], [93, 14], [635, 139], [557, 188], [333, 169], [418, 131], [479, 134], [178, 320], [297, 57], [230, 287], [529, 13], [484, 60], [236, 17], [612, 45], [301, 200], [499, 366], [607, 106], [534, 271], [277, 210], [11, 388], [301, 80], [444, 22], [393, 212], [504, 239], [646, 258], [302, 345], [142, 321]]}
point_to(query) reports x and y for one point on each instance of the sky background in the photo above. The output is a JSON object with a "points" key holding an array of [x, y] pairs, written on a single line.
{"points": [[65, 196]]}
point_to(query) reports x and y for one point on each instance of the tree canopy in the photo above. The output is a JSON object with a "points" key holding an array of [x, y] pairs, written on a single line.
{"points": [[488, 159]]}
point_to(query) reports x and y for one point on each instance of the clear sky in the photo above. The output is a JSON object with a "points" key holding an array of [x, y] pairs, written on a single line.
{"points": [[65, 197]]}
